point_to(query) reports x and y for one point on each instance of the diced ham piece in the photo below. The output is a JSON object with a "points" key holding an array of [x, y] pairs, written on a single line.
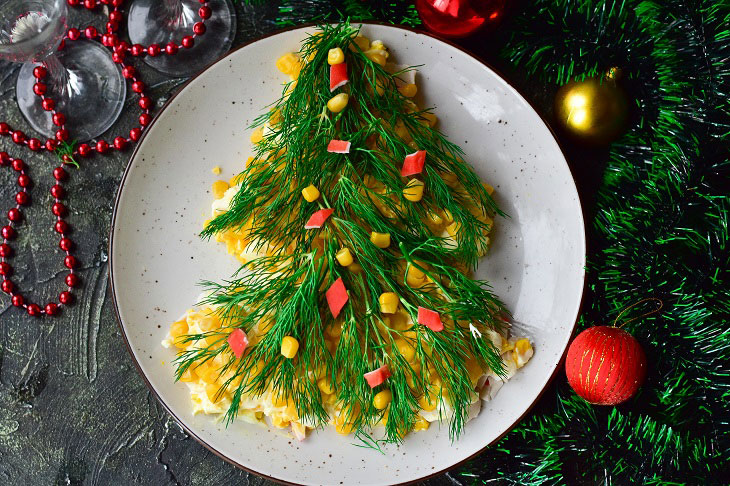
{"points": [[430, 319], [339, 147], [337, 297], [377, 377], [318, 218], [338, 75], [413, 163], [237, 341]]}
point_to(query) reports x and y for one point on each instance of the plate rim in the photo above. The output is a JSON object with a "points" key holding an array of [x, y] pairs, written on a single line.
{"points": [[167, 104]]}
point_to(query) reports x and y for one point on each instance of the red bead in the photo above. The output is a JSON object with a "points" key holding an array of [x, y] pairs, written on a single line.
{"points": [[24, 180], [65, 244], [69, 261], [34, 144], [57, 191], [90, 4], [91, 32], [5, 269], [40, 72], [120, 143], [61, 227], [84, 150], [22, 198], [128, 72], [51, 309], [4, 159], [5, 250], [8, 233], [117, 3], [118, 57], [62, 135], [72, 280], [138, 86], [58, 209], [111, 27], [145, 103], [58, 119], [121, 46], [74, 3], [74, 33], [204, 12], [102, 146], [51, 145], [18, 137], [188, 42], [14, 214], [7, 286], [60, 174], [34, 310], [199, 28], [154, 50], [616, 373], [137, 50], [171, 48], [145, 119], [135, 134], [107, 40], [18, 165], [18, 300], [116, 16], [4, 128], [66, 297], [40, 88]]}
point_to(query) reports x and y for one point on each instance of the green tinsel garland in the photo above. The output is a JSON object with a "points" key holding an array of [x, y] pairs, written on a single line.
{"points": [[660, 229]]}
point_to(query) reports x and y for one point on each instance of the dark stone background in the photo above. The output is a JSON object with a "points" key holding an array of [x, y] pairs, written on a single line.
{"points": [[73, 409]]}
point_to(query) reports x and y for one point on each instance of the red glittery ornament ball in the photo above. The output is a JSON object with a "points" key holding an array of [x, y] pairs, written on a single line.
{"points": [[605, 365], [460, 18]]}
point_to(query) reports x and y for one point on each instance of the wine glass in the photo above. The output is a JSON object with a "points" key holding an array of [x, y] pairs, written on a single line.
{"points": [[83, 81], [162, 22]]}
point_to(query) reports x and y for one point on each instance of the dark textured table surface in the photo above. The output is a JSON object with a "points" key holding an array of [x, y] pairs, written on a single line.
{"points": [[73, 409]]}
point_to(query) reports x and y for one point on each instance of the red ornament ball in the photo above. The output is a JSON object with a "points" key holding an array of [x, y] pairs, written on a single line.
{"points": [[605, 365], [460, 18]]}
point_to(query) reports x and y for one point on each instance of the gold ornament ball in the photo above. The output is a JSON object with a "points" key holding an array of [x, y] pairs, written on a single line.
{"points": [[595, 110]]}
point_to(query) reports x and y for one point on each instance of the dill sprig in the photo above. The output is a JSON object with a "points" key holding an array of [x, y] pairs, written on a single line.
{"points": [[285, 288]]}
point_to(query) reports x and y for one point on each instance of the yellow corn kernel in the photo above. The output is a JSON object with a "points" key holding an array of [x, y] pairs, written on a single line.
{"points": [[335, 56], [415, 277], [345, 428], [209, 374], [448, 217], [488, 188], [382, 399], [211, 391], [428, 402], [188, 376], [522, 345], [257, 135], [421, 424], [435, 218], [288, 63], [381, 240], [408, 351], [413, 190], [344, 257], [216, 170], [289, 347], [377, 56], [259, 415], [428, 119], [278, 421], [310, 193], [362, 42], [408, 90], [219, 188], [338, 102], [177, 333], [275, 116], [453, 229], [388, 302], [325, 386]]}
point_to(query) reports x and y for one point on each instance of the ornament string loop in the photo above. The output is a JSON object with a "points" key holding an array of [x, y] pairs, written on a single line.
{"points": [[659, 306]]}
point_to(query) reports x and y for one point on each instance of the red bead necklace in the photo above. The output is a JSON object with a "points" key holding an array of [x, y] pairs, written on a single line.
{"points": [[120, 50]]}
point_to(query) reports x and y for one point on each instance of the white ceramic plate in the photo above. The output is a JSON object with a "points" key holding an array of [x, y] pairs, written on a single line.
{"points": [[536, 264]]}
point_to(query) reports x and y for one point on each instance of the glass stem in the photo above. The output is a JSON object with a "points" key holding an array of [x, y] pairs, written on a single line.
{"points": [[58, 76]]}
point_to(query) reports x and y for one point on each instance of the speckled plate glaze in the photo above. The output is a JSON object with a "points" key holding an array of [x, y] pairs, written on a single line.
{"points": [[536, 264]]}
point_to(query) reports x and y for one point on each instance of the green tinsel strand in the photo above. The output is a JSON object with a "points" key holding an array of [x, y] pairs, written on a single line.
{"points": [[293, 12]]}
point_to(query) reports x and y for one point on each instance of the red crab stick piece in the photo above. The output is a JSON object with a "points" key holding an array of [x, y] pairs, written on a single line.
{"points": [[339, 147], [338, 75], [377, 377], [318, 218], [237, 341], [430, 319], [337, 297], [413, 163]]}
